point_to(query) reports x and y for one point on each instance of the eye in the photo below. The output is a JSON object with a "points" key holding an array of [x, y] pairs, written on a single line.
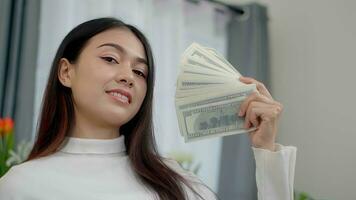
{"points": [[138, 72], [109, 59]]}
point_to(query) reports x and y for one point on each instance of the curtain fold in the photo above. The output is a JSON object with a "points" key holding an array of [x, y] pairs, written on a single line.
{"points": [[248, 52], [18, 52]]}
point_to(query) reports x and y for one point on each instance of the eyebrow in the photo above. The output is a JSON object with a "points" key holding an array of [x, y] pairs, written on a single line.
{"points": [[121, 49]]}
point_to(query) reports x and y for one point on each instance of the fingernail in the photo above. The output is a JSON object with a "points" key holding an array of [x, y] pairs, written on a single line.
{"points": [[240, 113]]}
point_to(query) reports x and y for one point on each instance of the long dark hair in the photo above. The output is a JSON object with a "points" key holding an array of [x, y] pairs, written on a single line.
{"points": [[57, 116]]}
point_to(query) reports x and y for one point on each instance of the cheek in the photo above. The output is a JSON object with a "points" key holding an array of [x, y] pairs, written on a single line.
{"points": [[143, 91], [89, 87], [141, 94], [86, 95]]}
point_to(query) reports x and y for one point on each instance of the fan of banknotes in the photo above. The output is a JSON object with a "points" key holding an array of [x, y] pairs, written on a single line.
{"points": [[208, 95]]}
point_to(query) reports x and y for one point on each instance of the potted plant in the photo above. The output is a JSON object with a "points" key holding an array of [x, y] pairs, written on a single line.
{"points": [[8, 155], [6, 142]]}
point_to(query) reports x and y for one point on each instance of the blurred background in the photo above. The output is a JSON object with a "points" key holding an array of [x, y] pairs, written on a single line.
{"points": [[304, 51]]}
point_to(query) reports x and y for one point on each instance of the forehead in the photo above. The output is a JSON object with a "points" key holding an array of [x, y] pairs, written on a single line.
{"points": [[121, 36]]}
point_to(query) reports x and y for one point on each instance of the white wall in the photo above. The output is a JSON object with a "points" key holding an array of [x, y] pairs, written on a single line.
{"points": [[313, 68]]}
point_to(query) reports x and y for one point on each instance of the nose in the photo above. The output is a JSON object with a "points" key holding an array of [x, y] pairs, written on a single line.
{"points": [[127, 82], [125, 76]]}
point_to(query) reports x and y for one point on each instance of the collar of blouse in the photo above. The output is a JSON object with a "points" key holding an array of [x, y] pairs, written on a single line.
{"points": [[75, 145]]}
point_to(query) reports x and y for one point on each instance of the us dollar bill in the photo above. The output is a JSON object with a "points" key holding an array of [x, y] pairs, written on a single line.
{"points": [[208, 95], [212, 117]]}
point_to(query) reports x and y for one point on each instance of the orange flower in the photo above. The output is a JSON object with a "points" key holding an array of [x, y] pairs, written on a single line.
{"points": [[8, 125], [2, 124]]}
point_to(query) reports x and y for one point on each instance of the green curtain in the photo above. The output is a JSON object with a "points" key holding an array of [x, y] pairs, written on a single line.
{"points": [[247, 49], [19, 24]]}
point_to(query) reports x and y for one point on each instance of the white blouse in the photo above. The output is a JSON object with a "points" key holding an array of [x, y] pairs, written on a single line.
{"points": [[98, 169]]}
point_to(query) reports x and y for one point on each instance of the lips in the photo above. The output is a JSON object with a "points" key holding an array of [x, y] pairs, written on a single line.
{"points": [[124, 94]]}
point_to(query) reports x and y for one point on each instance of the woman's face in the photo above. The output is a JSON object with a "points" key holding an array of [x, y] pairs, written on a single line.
{"points": [[108, 80]]}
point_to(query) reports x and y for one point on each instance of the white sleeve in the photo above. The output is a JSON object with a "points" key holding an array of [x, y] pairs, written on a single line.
{"points": [[275, 172]]}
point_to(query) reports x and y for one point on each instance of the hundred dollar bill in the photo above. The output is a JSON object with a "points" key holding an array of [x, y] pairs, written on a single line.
{"points": [[222, 59], [190, 93], [208, 95], [212, 117], [196, 51], [197, 64]]}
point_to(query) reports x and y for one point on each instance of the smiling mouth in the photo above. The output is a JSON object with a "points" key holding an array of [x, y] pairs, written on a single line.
{"points": [[120, 97]]}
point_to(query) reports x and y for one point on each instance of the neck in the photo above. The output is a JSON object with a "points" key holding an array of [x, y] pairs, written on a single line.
{"points": [[85, 128]]}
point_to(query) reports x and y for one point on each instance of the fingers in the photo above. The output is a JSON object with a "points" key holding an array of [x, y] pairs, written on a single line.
{"points": [[257, 112], [254, 97], [251, 117], [258, 106], [260, 86]]}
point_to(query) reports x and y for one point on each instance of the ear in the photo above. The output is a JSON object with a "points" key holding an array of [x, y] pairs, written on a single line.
{"points": [[65, 72]]}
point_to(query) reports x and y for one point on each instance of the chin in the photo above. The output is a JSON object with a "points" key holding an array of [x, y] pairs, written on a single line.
{"points": [[118, 116], [119, 121]]}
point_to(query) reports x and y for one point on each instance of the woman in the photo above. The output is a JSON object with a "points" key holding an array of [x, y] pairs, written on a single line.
{"points": [[95, 138]]}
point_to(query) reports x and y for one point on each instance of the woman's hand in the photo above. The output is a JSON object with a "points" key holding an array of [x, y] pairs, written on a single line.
{"points": [[261, 111]]}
